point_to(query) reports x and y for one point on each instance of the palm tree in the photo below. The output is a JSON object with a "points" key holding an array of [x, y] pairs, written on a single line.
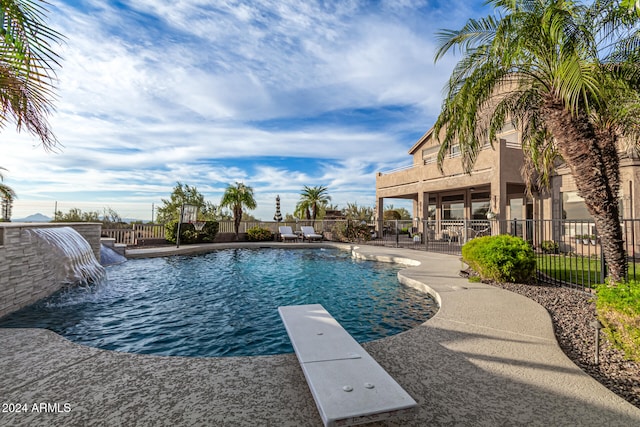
{"points": [[237, 197], [6, 192], [359, 213], [312, 199], [7, 195], [26, 67], [566, 75]]}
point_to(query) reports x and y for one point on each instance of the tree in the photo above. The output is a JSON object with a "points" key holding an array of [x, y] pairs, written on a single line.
{"points": [[391, 213], [631, 5], [211, 212], [182, 194], [566, 75], [358, 213], [312, 200], [27, 66], [289, 218], [111, 217], [237, 197], [246, 216], [76, 215], [6, 192]]}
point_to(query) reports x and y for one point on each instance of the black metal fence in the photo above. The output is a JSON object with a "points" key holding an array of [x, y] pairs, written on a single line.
{"points": [[569, 253]]}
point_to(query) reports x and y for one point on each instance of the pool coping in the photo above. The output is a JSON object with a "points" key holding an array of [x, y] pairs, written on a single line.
{"points": [[488, 357]]}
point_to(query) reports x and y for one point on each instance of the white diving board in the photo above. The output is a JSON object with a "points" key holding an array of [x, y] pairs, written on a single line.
{"points": [[348, 385]]}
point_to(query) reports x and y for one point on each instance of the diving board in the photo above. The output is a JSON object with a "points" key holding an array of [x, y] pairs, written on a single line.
{"points": [[347, 384]]}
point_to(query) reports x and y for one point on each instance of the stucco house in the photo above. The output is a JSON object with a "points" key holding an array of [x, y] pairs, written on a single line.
{"points": [[495, 186]]}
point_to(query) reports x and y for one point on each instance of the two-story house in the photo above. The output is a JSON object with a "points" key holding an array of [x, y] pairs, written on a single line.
{"points": [[494, 186]]}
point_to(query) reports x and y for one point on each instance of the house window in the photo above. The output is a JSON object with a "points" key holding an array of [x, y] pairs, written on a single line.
{"points": [[515, 208], [454, 150], [431, 208], [573, 206], [508, 126], [430, 155], [453, 207], [480, 204]]}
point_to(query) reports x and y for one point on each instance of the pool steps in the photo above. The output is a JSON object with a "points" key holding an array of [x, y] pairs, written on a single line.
{"points": [[347, 384]]}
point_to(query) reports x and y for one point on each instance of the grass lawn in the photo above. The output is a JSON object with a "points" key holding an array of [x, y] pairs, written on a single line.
{"points": [[580, 270]]}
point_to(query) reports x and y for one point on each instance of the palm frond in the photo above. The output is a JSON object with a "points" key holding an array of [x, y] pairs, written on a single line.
{"points": [[27, 67], [474, 33]]}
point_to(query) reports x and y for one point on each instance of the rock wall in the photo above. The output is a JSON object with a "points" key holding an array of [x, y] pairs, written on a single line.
{"points": [[26, 273]]}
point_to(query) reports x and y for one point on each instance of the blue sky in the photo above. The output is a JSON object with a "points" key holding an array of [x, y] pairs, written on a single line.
{"points": [[277, 94]]}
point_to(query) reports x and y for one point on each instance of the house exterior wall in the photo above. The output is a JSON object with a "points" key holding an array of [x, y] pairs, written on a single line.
{"points": [[496, 170]]}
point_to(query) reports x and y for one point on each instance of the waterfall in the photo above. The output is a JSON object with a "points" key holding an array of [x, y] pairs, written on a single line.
{"points": [[110, 257], [78, 264]]}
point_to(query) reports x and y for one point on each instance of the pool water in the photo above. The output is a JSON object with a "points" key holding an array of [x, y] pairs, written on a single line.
{"points": [[224, 303]]}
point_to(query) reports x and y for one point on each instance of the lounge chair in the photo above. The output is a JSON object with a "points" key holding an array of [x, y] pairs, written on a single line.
{"points": [[287, 234], [310, 234]]}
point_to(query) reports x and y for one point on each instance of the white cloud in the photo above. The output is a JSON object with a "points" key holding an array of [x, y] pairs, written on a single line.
{"points": [[202, 92]]}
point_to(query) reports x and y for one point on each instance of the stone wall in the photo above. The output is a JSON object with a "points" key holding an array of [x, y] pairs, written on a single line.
{"points": [[26, 274]]}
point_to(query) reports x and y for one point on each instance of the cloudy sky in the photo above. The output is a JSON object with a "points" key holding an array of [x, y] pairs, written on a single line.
{"points": [[277, 94]]}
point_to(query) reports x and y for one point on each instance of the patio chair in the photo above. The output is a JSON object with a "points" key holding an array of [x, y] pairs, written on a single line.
{"points": [[287, 234], [310, 234]]}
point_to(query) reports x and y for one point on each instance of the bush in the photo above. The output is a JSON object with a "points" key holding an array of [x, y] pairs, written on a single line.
{"points": [[350, 231], [501, 258], [549, 247], [188, 233], [619, 311], [258, 234]]}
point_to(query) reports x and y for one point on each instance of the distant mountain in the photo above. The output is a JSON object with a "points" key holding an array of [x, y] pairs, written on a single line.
{"points": [[130, 220], [33, 218]]}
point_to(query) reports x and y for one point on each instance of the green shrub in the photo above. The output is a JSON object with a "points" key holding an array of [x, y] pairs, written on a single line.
{"points": [[259, 234], [619, 311], [549, 247], [188, 233], [350, 231], [501, 258]]}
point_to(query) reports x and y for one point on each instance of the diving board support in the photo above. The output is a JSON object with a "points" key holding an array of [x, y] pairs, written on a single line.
{"points": [[347, 384]]}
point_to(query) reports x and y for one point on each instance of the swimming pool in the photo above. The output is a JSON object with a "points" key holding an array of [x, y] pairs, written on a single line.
{"points": [[224, 303]]}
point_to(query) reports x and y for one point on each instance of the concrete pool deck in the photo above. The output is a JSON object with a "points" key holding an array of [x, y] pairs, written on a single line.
{"points": [[488, 357]]}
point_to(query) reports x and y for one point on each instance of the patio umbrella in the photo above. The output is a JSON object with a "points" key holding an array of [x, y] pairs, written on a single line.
{"points": [[278, 216]]}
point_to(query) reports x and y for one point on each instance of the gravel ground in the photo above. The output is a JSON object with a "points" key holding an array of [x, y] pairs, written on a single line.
{"points": [[572, 313]]}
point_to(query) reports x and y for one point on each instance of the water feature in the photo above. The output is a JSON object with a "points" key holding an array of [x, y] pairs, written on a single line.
{"points": [[225, 303], [75, 261], [110, 257]]}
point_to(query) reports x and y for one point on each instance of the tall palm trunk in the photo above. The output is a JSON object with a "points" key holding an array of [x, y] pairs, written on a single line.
{"points": [[593, 161], [237, 217]]}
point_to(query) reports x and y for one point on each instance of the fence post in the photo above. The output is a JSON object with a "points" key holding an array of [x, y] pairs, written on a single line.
{"points": [[397, 234], [425, 234], [465, 226], [603, 265]]}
